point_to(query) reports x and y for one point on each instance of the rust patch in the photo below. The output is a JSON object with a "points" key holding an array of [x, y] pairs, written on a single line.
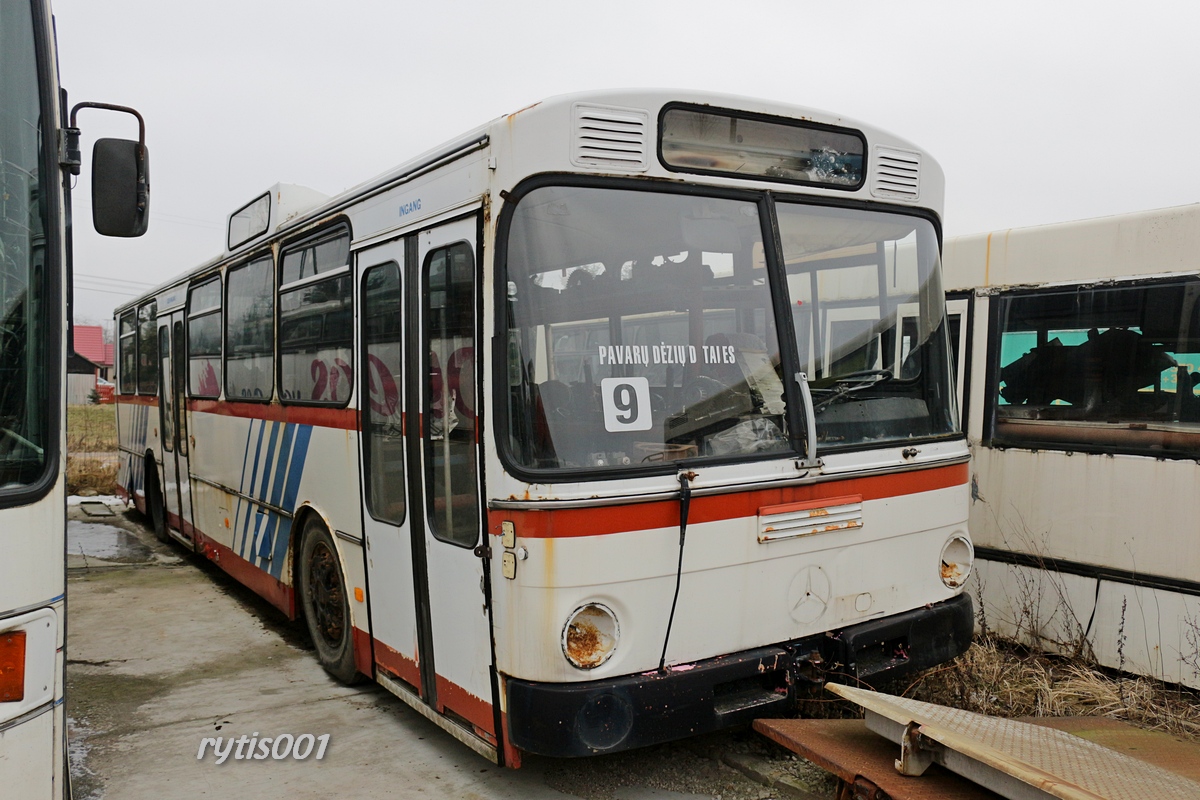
{"points": [[585, 644], [819, 512], [952, 574]]}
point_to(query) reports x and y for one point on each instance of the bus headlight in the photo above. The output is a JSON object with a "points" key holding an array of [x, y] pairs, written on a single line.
{"points": [[957, 557], [590, 636]]}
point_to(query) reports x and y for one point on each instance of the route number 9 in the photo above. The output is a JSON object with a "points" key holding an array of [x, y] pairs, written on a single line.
{"points": [[626, 404]]}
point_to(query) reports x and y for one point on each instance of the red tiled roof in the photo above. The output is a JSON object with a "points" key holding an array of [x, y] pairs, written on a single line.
{"points": [[89, 343]]}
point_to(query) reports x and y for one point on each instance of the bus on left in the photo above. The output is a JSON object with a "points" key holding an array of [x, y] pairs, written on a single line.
{"points": [[39, 153]]}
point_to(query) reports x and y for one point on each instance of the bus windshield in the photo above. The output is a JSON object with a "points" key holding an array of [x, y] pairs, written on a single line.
{"points": [[24, 370], [641, 328]]}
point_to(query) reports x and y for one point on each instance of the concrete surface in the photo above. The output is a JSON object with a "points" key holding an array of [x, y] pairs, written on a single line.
{"points": [[164, 651]]}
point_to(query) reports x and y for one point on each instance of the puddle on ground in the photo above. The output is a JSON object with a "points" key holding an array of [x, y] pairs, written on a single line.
{"points": [[97, 540]]}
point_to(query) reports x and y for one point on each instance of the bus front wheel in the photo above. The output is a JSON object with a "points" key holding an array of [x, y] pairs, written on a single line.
{"points": [[326, 606]]}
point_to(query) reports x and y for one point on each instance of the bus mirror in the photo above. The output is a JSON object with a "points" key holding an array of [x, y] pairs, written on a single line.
{"points": [[120, 187]]}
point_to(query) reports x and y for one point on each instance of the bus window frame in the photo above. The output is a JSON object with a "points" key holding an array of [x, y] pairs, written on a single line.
{"points": [[189, 315], [127, 384], [345, 272], [47, 347], [787, 122], [147, 390], [991, 416], [428, 443], [367, 409], [765, 199], [229, 270]]}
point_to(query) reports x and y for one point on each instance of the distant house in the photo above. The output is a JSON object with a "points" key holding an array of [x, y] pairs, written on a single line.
{"points": [[89, 343], [92, 361]]}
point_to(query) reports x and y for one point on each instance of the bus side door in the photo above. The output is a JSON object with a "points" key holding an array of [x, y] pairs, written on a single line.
{"points": [[387, 432], [443, 372], [172, 385]]}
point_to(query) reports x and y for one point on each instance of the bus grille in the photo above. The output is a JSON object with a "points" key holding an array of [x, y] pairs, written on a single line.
{"points": [[897, 173], [609, 138]]}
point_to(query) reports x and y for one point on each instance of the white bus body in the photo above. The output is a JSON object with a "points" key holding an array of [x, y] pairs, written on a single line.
{"points": [[1081, 364], [596, 482], [39, 152], [32, 439]]}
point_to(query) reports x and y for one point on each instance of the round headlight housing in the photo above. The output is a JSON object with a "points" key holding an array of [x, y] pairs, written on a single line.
{"points": [[590, 636], [958, 555]]}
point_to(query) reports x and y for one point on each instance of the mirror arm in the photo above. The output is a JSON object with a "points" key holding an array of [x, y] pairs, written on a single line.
{"points": [[72, 159]]}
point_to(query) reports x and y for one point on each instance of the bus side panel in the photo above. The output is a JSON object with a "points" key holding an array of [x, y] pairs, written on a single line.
{"points": [[329, 486], [1056, 505], [274, 464], [27, 756], [737, 593], [38, 527]]}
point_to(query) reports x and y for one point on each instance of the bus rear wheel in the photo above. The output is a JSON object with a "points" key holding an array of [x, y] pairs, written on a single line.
{"points": [[326, 605]]}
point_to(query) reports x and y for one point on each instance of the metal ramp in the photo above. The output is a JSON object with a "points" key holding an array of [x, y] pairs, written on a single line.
{"points": [[975, 757]]}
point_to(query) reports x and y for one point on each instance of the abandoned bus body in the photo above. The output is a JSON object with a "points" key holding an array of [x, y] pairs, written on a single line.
{"points": [[1081, 359], [610, 422]]}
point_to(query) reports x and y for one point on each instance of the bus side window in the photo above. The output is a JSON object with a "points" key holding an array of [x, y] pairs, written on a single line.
{"points": [[450, 448], [127, 342], [147, 349], [382, 390], [204, 339], [250, 331], [316, 321]]}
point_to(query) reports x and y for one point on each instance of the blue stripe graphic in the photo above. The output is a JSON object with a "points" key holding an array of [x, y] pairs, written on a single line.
{"points": [[295, 472], [262, 491], [264, 547], [249, 491]]}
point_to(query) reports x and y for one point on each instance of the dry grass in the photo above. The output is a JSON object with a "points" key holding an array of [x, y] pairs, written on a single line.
{"points": [[92, 429], [1003, 679], [91, 449], [91, 476]]}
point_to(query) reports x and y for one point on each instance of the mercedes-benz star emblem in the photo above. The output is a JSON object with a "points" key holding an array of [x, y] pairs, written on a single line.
{"points": [[808, 595]]}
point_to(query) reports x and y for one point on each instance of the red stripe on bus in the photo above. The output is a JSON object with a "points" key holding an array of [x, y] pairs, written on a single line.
{"points": [[473, 709], [256, 580], [569, 522], [362, 652], [809, 505], [344, 418], [395, 663], [137, 400]]}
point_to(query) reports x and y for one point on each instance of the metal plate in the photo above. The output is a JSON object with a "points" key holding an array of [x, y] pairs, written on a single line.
{"points": [[1016, 759]]}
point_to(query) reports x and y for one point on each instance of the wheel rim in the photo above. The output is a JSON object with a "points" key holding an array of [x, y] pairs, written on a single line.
{"points": [[326, 597]]}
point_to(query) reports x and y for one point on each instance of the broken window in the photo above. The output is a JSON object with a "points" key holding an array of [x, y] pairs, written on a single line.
{"points": [[1110, 369]]}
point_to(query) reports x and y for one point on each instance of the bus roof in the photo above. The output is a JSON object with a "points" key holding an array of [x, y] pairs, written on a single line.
{"points": [[1142, 244], [544, 137]]}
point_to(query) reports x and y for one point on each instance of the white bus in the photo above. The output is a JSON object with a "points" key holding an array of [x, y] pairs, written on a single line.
{"points": [[38, 156], [1081, 364], [621, 418]]}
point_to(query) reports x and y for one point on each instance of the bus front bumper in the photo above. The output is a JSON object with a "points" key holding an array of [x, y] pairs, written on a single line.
{"points": [[607, 716]]}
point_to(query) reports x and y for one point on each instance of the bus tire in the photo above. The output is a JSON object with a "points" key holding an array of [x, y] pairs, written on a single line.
{"points": [[326, 605], [155, 509]]}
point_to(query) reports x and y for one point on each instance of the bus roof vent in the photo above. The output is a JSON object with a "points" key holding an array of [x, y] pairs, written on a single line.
{"points": [[897, 174], [609, 138]]}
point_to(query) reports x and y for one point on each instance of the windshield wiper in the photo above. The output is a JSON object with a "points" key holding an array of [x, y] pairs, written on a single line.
{"points": [[851, 383]]}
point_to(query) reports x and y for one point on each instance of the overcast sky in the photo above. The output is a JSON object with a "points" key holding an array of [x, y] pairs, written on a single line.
{"points": [[1038, 111]]}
